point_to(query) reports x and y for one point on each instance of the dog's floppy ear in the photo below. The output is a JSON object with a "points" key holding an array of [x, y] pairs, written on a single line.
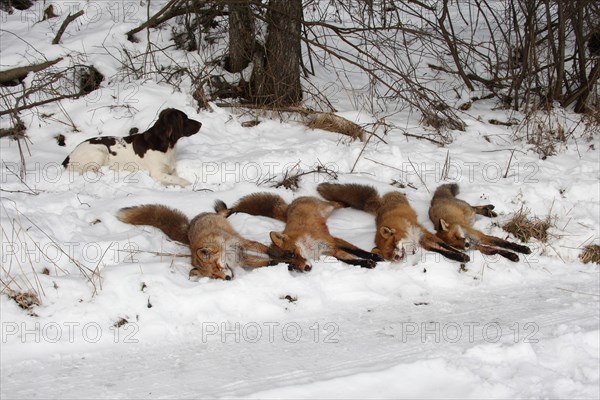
{"points": [[156, 130], [164, 129], [172, 122], [167, 120], [172, 125]]}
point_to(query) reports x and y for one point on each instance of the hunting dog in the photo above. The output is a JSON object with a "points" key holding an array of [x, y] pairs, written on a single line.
{"points": [[152, 150]]}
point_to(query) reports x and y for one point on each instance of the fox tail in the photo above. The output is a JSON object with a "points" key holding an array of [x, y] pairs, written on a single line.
{"points": [[169, 220], [448, 190], [361, 197], [263, 204]]}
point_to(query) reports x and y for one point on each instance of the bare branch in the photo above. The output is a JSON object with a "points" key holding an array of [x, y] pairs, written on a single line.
{"points": [[64, 25], [21, 72]]}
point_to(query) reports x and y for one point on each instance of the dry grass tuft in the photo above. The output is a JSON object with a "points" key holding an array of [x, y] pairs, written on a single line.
{"points": [[591, 122], [291, 177], [25, 300], [334, 123], [120, 322], [590, 254], [525, 228]]}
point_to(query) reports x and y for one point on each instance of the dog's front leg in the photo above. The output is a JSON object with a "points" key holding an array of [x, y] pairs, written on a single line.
{"points": [[176, 180], [171, 179]]}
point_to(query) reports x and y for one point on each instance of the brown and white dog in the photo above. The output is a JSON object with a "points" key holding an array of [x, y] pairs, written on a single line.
{"points": [[152, 150]]}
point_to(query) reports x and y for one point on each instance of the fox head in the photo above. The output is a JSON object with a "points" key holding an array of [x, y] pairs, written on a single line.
{"points": [[395, 244], [453, 235], [296, 252], [211, 260]]}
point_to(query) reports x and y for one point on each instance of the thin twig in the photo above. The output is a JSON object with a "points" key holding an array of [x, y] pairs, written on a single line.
{"points": [[81, 202], [362, 151], [425, 138], [512, 153], [155, 253], [82, 268], [419, 175], [31, 191], [573, 291], [446, 169], [497, 150], [410, 185]]}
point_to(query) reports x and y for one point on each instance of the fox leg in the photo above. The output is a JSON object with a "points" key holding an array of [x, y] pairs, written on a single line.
{"points": [[433, 243], [256, 247], [349, 258], [355, 251], [492, 250], [485, 210], [256, 261], [357, 261], [494, 241], [276, 255], [255, 254]]}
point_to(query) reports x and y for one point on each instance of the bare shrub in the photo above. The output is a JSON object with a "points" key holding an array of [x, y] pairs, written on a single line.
{"points": [[50, 85]]}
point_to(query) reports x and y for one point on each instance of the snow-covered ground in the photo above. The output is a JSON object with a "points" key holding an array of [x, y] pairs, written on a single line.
{"points": [[422, 328]]}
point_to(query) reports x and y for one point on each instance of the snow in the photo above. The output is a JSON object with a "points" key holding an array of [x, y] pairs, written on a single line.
{"points": [[418, 329]]}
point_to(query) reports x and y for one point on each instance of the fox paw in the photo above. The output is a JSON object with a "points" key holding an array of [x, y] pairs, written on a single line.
{"points": [[368, 264]]}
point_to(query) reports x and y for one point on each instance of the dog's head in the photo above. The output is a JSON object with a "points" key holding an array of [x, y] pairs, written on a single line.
{"points": [[171, 126]]}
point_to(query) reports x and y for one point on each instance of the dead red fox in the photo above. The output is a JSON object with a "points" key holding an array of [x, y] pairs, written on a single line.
{"points": [[398, 231], [306, 236], [216, 247], [453, 220]]}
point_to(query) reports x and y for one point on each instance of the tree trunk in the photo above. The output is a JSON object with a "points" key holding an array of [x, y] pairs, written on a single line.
{"points": [[277, 81], [241, 36]]}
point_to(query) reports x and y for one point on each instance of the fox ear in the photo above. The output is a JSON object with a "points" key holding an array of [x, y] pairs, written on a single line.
{"points": [[203, 252], [443, 225], [386, 232], [278, 238]]}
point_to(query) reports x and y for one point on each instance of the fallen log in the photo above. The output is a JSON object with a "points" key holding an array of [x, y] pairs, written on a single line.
{"points": [[20, 73]]}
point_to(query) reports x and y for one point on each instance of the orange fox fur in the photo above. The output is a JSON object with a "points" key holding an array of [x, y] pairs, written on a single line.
{"points": [[453, 220], [215, 246], [398, 230], [306, 236]]}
